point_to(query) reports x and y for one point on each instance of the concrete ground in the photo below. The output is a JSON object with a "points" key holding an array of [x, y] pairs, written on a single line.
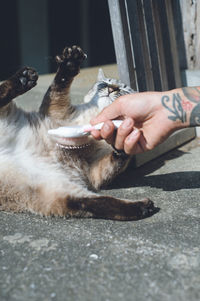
{"points": [[156, 259]]}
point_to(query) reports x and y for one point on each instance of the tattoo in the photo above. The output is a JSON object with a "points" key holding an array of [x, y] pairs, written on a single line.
{"points": [[193, 95], [178, 107], [195, 116], [175, 107]]}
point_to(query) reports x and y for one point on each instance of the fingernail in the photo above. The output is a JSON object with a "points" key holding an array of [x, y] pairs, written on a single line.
{"points": [[106, 127], [133, 135], [127, 123]]}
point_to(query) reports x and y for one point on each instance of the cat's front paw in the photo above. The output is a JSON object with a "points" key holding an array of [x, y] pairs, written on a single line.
{"points": [[71, 59], [25, 79]]}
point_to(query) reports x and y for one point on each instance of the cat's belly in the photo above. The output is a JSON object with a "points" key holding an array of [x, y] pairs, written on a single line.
{"points": [[41, 173]]}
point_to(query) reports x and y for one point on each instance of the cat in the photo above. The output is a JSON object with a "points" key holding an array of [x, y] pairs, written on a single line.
{"points": [[51, 179]]}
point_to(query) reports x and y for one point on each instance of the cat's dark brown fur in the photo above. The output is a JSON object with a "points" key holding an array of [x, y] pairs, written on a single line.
{"points": [[40, 176]]}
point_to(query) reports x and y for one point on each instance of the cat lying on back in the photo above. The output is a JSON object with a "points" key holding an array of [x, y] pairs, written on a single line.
{"points": [[41, 176]]}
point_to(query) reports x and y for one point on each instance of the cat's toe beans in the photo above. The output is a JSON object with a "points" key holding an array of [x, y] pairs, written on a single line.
{"points": [[25, 72], [74, 53], [32, 74], [70, 64], [78, 52], [31, 83], [67, 52], [23, 80], [59, 59], [80, 55], [27, 78]]}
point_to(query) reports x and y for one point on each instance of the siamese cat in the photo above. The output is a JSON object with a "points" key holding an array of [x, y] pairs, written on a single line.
{"points": [[60, 179]]}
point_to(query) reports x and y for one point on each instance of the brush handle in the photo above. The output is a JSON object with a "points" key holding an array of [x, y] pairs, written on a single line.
{"points": [[89, 128]]}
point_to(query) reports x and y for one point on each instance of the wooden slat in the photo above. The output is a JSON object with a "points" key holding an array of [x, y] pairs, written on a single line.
{"points": [[136, 41], [145, 46], [167, 47], [152, 44], [160, 46], [122, 43], [179, 30], [173, 44]]}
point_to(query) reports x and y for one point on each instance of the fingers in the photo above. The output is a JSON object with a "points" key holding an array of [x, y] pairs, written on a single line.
{"points": [[96, 134], [107, 132], [124, 130], [111, 112], [126, 138], [131, 143]]}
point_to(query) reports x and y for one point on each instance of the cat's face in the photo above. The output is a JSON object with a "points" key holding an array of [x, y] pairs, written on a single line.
{"points": [[108, 88]]}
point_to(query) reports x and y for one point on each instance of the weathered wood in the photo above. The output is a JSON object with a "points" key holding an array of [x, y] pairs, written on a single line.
{"points": [[160, 46], [167, 48], [145, 44], [190, 26], [150, 84], [122, 42], [152, 44], [144, 37], [138, 41], [197, 49], [173, 44]]}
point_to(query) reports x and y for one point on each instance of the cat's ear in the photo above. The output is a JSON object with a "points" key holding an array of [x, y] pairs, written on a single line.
{"points": [[101, 76]]}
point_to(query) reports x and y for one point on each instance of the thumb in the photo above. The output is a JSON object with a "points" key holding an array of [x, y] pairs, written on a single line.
{"points": [[111, 112]]}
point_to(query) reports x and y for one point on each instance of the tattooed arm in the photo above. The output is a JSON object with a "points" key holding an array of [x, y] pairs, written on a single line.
{"points": [[149, 118]]}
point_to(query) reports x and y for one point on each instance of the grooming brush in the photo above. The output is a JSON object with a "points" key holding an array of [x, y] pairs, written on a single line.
{"points": [[78, 131]]}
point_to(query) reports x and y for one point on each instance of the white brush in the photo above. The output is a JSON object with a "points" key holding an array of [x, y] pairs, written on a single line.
{"points": [[77, 131]]}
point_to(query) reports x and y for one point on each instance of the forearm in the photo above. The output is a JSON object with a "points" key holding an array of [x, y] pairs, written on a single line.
{"points": [[182, 106]]}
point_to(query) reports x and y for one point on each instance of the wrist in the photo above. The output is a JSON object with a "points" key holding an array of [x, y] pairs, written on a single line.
{"points": [[177, 109]]}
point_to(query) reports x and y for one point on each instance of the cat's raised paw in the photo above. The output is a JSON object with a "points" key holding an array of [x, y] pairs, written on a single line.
{"points": [[71, 58], [25, 79]]}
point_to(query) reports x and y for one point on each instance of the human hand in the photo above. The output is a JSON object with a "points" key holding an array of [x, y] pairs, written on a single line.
{"points": [[146, 122]]}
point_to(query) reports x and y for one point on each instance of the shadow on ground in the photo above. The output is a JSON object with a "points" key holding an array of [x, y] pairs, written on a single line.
{"points": [[171, 181], [168, 182]]}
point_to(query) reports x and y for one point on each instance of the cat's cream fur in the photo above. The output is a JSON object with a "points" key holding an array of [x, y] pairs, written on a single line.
{"points": [[40, 176]]}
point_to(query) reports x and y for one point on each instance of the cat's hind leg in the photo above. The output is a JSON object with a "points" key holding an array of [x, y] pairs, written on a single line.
{"points": [[107, 207], [48, 202], [56, 103], [22, 81], [96, 206]]}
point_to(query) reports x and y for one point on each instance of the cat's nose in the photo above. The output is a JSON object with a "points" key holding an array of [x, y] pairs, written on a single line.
{"points": [[110, 90], [113, 88]]}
